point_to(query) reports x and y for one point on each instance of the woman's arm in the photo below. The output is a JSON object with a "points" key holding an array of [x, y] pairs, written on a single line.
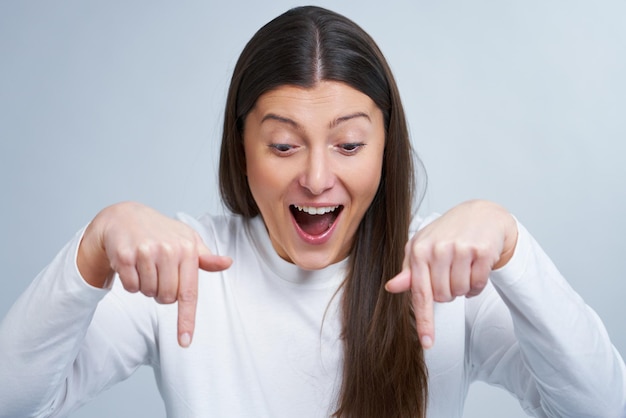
{"points": [[535, 336], [51, 353], [66, 338], [563, 353]]}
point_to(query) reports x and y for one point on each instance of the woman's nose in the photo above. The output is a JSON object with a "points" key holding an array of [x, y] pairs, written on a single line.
{"points": [[318, 175]]}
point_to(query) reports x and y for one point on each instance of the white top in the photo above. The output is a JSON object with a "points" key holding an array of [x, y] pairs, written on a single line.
{"points": [[266, 342]]}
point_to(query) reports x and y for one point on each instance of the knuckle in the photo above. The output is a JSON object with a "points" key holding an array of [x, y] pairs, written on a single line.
{"points": [[130, 286], [165, 298], [442, 296], [187, 247], [166, 250], [464, 251], [123, 258], [188, 295], [166, 293], [419, 294], [145, 250], [419, 251], [480, 277], [479, 283], [178, 250], [148, 290], [460, 290], [444, 250], [482, 252]]}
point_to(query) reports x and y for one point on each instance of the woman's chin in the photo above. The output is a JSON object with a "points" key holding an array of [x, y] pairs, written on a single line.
{"points": [[314, 261]]}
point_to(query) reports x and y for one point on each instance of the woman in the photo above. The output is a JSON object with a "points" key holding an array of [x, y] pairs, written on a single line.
{"points": [[328, 306]]}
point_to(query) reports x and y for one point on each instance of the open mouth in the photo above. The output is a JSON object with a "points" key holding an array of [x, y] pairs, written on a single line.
{"points": [[315, 221]]}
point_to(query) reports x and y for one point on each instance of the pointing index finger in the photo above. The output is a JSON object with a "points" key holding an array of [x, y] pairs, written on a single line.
{"points": [[423, 306], [187, 300]]}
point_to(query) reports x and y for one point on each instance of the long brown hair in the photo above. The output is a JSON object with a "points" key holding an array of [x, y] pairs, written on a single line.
{"points": [[384, 372]]}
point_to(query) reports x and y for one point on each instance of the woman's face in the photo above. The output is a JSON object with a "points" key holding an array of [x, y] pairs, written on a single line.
{"points": [[313, 160]]}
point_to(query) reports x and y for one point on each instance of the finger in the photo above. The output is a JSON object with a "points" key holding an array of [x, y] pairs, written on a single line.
{"points": [[440, 273], [167, 274], [479, 276], [124, 263], [460, 273], [422, 299], [210, 262], [129, 277], [187, 300], [147, 271], [401, 282]]}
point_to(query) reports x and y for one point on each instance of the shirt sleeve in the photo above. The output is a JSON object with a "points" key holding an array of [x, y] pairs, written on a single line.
{"points": [[63, 341], [533, 335]]}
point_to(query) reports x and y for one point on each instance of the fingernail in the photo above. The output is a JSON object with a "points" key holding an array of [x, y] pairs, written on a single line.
{"points": [[185, 340], [427, 342]]}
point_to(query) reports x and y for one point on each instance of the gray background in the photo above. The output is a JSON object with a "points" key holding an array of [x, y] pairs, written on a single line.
{"points": [[519, 102]]}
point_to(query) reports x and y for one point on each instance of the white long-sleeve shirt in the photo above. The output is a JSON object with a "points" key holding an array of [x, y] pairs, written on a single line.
{"points": [[267, 344]]}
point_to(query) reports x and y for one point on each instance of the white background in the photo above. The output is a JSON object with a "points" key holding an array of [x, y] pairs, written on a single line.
{"points": [[520, 102]]}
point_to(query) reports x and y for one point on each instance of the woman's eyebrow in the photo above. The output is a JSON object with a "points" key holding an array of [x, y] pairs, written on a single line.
{"points": [[351, 116], [281, 119]]}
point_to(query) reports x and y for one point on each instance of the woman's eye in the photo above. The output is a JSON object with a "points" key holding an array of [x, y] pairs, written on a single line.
{"points": [[282, 148], [351, 147]]}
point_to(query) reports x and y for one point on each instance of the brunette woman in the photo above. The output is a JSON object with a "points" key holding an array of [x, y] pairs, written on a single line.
{"points": [[338, 302]]}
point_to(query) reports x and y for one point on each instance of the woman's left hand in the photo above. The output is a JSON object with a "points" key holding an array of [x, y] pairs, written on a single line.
{"points": [[453, 256]]}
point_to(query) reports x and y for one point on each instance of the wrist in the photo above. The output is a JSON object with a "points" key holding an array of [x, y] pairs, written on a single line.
{"points": [[92, 261], [510, 241]]}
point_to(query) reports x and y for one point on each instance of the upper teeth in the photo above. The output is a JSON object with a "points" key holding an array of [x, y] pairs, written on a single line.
{"points": [[316, 211]]}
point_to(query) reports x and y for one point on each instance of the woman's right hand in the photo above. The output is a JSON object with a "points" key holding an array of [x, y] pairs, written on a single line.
{"points": [[152, 254]]}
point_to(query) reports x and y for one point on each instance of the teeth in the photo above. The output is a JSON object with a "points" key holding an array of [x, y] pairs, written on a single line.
{"points": [[316, 211]]}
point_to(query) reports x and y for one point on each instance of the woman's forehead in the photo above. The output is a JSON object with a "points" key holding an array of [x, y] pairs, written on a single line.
{"points": [[332, 101]]}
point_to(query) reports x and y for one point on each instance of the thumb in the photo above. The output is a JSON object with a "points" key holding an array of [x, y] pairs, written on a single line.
{"points": [[401, 282], [211, 262]]}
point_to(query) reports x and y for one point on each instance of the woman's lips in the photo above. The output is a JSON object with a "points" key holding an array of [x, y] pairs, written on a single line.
{"points": [[315, 225]]}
